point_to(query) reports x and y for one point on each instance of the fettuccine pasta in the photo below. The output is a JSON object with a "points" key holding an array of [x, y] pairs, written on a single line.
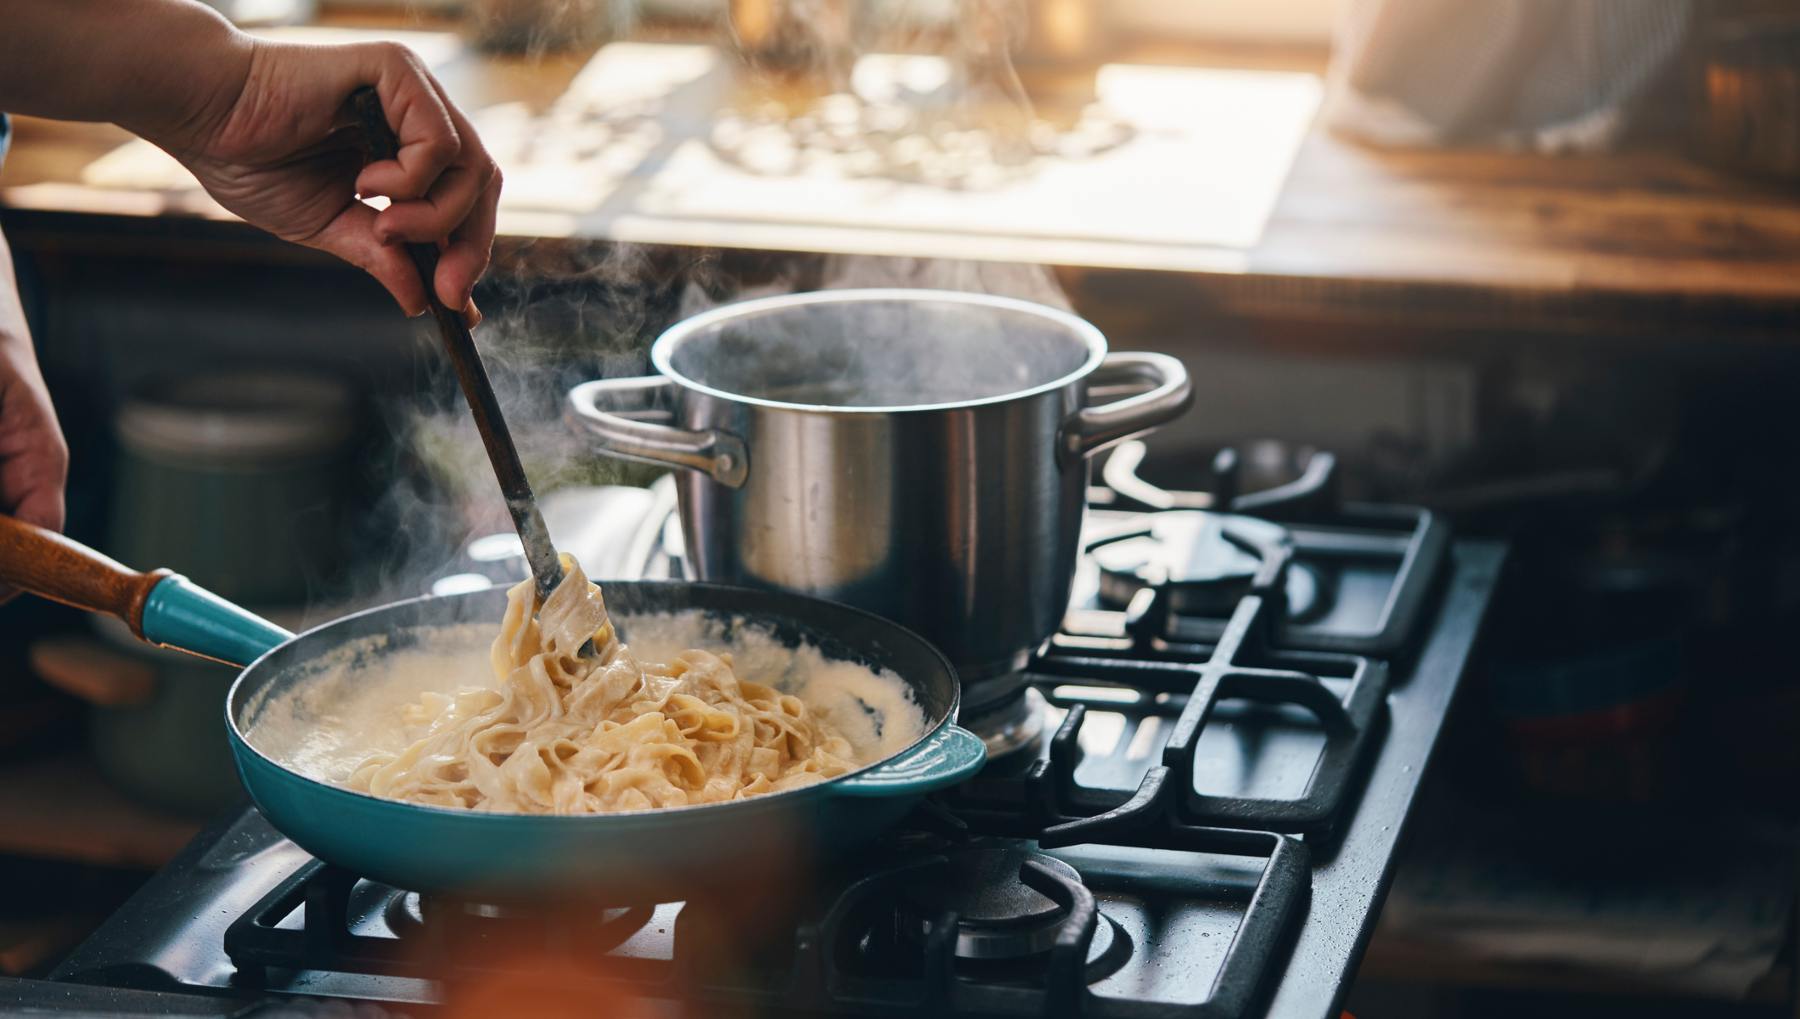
{"points": [[568, 734]]}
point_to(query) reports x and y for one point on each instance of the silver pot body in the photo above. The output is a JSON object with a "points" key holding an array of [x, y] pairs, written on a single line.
{"points": [[919, 454]]}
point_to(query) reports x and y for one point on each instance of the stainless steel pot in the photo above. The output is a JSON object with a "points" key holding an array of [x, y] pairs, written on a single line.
{"points": [[920, 454]]}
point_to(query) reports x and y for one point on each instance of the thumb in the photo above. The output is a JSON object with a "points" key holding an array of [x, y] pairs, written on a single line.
{"points": [[43, 507], [351, 237]]}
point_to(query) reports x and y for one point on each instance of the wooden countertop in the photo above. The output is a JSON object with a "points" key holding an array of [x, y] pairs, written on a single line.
{"points": [[1223, 195]]}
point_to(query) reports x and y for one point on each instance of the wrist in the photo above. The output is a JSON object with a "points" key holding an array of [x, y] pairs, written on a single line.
{"points": [[198, 92]]}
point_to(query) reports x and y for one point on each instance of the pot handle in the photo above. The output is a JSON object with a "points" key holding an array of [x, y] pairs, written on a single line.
{"points": [[1092, 429], [629, 435], [944, 758], [161, 608]]}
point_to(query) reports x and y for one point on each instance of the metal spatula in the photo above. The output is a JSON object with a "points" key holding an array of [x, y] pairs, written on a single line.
{"points": [[459, 343]]}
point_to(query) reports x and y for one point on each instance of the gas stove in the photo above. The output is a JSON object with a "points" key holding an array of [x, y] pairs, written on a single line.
{"points": [[1192, 807]]}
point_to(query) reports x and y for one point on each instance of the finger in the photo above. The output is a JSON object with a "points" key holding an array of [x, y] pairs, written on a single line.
{"points": [[472, 243], [34, 459], [428, 137], [471, 314], [471, 247], [37, 463], [455, 194], [42, 506], [438, 214], [351, 237]]}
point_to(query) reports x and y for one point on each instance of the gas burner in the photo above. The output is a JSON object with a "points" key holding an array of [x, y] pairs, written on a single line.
{"points": [[433, 909], [1166, 827], [411, 915], [999, 916], [403, 914], [1206, 559], [1012, 725]]}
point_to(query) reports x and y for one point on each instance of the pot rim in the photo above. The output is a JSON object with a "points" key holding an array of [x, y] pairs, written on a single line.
{"points": [[663, 350]]}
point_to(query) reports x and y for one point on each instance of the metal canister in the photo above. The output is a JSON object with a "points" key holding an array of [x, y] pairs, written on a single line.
{"points": [[237, 478]]}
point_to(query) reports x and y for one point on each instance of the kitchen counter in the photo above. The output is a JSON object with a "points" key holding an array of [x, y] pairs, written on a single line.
{"points": [[1224, 199]]}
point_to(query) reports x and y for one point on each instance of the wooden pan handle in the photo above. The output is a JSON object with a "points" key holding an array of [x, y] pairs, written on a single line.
{"points": [[52, 566]]}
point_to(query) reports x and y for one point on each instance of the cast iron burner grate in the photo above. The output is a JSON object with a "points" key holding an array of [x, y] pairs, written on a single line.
{"points": [[978, 907], [1147, 675], [1332, 543], [1182, 903], [917, 931], [1301, 609]]}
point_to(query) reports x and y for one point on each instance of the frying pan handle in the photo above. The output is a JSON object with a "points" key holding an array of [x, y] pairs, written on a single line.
{"points": [[187, 617], [1092, 429], [628, 435], [945, 758], [160, 607]]}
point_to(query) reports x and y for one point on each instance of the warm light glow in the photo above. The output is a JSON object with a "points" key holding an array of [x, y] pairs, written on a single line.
{"points": [[1065, 25], [753, 21], [627, 153]]}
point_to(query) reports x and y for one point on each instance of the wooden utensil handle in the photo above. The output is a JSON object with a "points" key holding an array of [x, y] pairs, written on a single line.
{"points": [[52, 566]]}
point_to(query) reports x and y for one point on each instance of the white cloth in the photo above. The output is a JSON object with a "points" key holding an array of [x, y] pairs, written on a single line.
{"points": [[1550, 74]]}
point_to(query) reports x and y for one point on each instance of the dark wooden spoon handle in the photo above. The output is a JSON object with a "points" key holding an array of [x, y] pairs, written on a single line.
{"points": [[546, 568], [62, 569]]}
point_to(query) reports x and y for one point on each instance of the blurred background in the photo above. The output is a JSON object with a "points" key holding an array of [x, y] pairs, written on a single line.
{"points": [[1533, 264]]}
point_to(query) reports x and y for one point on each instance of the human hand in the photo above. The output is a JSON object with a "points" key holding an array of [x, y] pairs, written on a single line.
{"points": [[285, 154], [34, 460]]}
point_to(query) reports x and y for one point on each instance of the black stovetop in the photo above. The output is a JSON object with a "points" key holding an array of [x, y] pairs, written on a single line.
{"points": [[1206, 828]]}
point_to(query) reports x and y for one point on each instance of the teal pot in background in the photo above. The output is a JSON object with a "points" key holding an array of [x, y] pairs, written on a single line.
{"points": [[152, 724], [168, 750], [236, 478], [153, 714]]}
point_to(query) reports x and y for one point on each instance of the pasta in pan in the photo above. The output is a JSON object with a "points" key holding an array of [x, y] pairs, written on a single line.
{"points": [[567, 734]]}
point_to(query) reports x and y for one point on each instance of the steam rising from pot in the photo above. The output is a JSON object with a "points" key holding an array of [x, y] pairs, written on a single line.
{"points": [[874, 351], [561, 314]]}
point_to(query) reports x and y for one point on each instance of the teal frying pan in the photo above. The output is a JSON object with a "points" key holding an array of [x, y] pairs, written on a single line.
{"points": [[648, 855]]}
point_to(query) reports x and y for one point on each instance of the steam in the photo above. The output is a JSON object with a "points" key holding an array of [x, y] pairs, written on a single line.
{"points": [[889, 353], [549, 324], [1000, 279], [555, 318]]}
